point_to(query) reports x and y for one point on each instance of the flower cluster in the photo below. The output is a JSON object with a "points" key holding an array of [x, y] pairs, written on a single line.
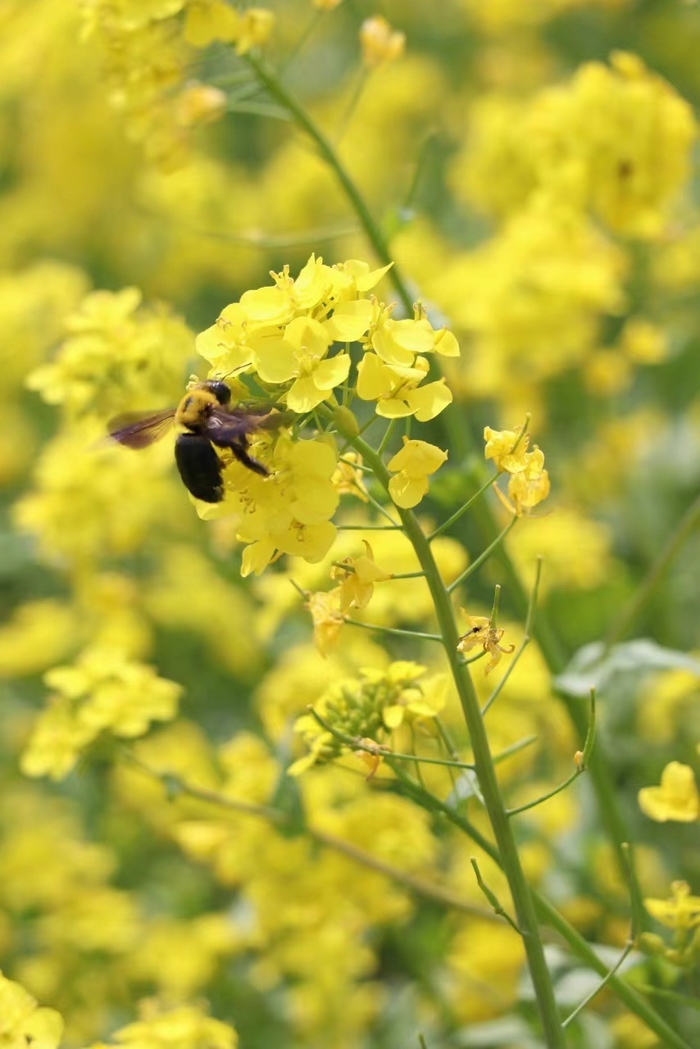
{"points": [[102, 691], [287, 334], [23, 1022], [367, 710], [614, 141], [146, 49], [117, 354]]}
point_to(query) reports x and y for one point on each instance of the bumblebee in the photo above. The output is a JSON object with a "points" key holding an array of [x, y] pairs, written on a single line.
{"points": [[208, 422]]}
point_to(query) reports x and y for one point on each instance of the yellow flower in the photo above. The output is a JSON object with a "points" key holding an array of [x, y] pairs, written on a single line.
{"points": [[680, 912], [210, 20], [256, 24], [327, 618], [397, 389], [102, 690], [199, 104], [184, 1027], [507, 448], [347, 478], [676, 798], [415, 462], [482, 632], [23, 1022], [358, 578], [299, 355], [529, 487], [380, 43]]}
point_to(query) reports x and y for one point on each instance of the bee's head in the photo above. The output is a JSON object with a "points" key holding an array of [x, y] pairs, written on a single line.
{"points": [[220, 390]]}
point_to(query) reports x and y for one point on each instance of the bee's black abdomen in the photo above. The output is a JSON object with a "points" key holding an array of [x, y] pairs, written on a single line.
{"points": [[200, 467]]}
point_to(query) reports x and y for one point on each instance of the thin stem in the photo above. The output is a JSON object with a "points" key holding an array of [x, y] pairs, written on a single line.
{"points": [[269, 80], [384, 752], [355, 97], [385, 439], [174, 785], [582, 764], [645, 591], [415, 635], [596, 990], [381, 509], [482, 557], [630, 997], [514, 748], [409, 575], [550, 794], [491, 896], [368, 528], [463, 509]]}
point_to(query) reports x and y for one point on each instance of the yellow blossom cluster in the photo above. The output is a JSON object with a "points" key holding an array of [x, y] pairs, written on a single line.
{"points": [[23, 1021], [101, 691], [367, 709]]}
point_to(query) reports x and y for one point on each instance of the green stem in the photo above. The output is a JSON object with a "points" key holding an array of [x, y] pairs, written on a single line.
{"points": [[463, 509], [550, 916], [599, 768], [393, 631], [526, 918], [274, 86], [470, 569], [645, 591]]}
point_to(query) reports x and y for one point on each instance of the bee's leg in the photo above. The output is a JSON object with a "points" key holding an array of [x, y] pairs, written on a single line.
{"points": [[240, 450]]}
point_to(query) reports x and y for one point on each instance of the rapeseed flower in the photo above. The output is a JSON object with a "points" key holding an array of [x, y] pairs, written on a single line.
{"points": [[23, 1022], [680, 912], [412, 466], [380, 43], [102, 690], [676, 798], [357, 577], [483, 633]]}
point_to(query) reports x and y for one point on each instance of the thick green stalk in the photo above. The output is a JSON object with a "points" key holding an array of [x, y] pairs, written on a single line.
{"points": [[526, 917], [462, 447]]}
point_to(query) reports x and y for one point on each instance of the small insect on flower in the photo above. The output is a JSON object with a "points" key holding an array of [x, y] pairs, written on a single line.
{"points": [[208, 422]]}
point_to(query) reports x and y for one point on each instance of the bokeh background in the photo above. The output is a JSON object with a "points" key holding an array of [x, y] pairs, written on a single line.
{"points": [[531, 164]]}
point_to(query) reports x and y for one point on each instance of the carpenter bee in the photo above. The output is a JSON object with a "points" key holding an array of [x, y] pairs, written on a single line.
{"points": [[208, 421]]}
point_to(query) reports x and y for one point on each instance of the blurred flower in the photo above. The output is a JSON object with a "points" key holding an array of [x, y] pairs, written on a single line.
{"points": [[327, 617], [380, 43], [681, 912], [676, 798], [102, 690], [182, 1027], [23, 1022]]}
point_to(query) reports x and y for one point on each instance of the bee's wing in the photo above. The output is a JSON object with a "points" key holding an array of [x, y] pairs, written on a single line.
{"points": [[222, 426], [139, 429]]}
